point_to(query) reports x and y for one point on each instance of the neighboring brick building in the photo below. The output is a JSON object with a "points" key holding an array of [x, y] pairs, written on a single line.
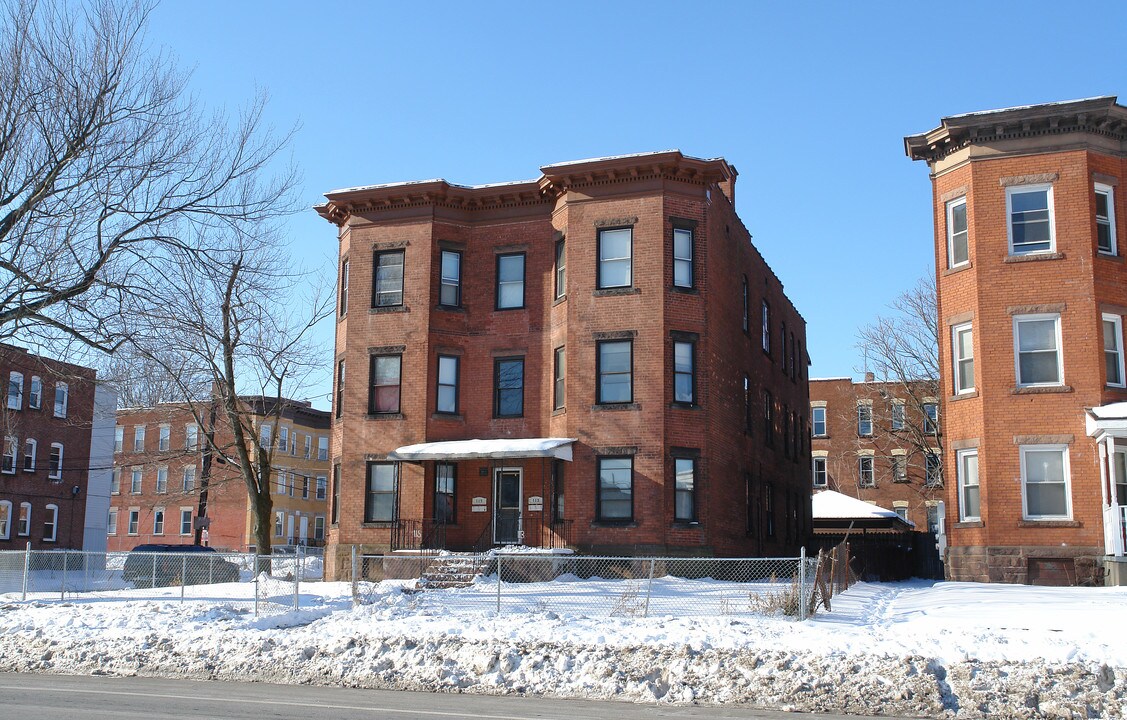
{"points": [[877, 442], [1032, 290], [606, 321], [158, 479], [54, 475]]}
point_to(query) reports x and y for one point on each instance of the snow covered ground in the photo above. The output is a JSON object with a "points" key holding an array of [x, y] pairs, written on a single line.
{"points": [[917, 649]]}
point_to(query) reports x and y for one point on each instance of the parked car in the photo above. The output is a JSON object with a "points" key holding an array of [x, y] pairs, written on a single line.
{"points": [[164, 565]]}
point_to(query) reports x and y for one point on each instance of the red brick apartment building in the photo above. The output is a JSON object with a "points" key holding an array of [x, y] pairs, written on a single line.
{"points": [[54, 472], [877, 442], [160, 486], [1032, 289], [629, 371]]}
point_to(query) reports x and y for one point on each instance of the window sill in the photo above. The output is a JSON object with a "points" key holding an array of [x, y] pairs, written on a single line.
{"points": [[684, 406], [378, 524], [819, 437], [687, 525], [453, 417], [388, 309], [1042, 389], [561, 299], [684, 290], [508, 417], [1109, 256], [1049, 524], [968, 524], [614, 524], [451, 308], [509, 309], [962, 396], [1033, 257], [385, 416], [559, 411], [610, 407], [958, 269], [612, 292]]}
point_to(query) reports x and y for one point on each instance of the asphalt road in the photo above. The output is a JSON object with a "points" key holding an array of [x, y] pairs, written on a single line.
{"points": [[49, 697]]}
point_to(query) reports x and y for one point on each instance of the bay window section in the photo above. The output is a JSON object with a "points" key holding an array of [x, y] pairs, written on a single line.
{"points": [[508, 387], [966, 462], [384, 391], [450, 282], [615, 359], [1037, 343], [381, 497], [1045, 482], [615, 489], [1030, 212], [387, 279], [447, 384], [510, 281], [616, 264], [1113, 349]]}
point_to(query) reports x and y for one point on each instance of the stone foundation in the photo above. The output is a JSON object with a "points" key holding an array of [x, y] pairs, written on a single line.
{"points": [[1026, 564]]}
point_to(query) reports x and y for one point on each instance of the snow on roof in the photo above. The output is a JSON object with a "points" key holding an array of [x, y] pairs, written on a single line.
{"points": [[472, 449], [408, 183], [1111, 411], [831, 505], [1030, 107], [620, 157]]}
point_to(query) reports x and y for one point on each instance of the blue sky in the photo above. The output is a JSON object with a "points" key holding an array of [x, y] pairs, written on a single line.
{"points": [[810, 101]]}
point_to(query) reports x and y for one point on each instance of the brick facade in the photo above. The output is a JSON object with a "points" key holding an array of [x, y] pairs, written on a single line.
{"points": [[653, 197], [47, 468], [897, 446], [1062, 152], [170, 471]]}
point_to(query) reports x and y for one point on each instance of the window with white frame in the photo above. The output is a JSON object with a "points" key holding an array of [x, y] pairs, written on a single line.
{"points": [[931, 418], [35, 396], [266, 436], [115, 481], [1105, 219], [139, 439], [821, 476], [1113, 349], [865, 474], [322, 484], [307, 449], [5, 519], [164, 438], [279, 523], [682, 257], [281, 483], [765, 327], [450, 280], [615, 258], [319, 527], [958, 252], [11, 450], [15, 391], [1045, 482], [30, 450], [55, 466], [111, 522], [864, 419], [23, 528], [344, 287], [304, 487], [283, 438], [966, 467], [962, 352], [162, 479], [185, 521], [899, 467], [118, 439], [818, 422], [189, 479], [51, 523], [134, 521], [1037, 355], [322, 447], [191, 436], [62, 398], [897, 419], [158, 521], [901, 512], [135, 481], [1030, 212]]}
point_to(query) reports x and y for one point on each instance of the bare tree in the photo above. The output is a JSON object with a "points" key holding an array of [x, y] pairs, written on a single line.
{"points": [[110, 174], [902, 350], [243, 323]]}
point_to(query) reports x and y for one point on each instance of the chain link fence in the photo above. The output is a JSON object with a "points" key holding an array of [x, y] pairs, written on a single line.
{"points": [[266, 583], [599, 586]]}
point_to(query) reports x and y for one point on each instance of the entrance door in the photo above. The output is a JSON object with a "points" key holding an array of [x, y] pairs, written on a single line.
{"points": [[1120, 458], [506, 506], [289, 531], [303, 531]]}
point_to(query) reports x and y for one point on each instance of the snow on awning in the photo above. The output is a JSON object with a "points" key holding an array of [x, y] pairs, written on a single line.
{"points": [[831, 505], [1110, 419], [559, 448]]}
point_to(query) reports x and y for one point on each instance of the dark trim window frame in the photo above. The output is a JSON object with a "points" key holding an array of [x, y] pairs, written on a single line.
{"points": [[559, 378], [609, 379], [450, 279], [684, 372], [343, 287], [604, 264], [381, 492], [766, 328], [768, 418], [334, 515], [745, 321], [445, 493], [387, 278], [561, 269], [447, 382], [614, 491], [685, 482], [749, 416], [382, 399], [340, 386], [507, 283], [508, 387], [683, 258], [558, 490]]}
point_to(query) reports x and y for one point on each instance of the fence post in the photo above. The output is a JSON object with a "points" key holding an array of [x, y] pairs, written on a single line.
{"points": [[802, 583], [649, 589], [86, 572], [154, 578], [63, 584], [498, 585], [355, 582], [256, 582], [183, 575], [210, 568], [297, 579], [26, 568]]}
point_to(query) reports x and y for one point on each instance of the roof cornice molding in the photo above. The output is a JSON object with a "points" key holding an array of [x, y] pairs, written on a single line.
{"points": [[1100, 116]]}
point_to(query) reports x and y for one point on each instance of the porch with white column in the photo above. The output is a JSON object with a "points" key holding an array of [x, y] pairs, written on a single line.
{"points": [[1107, 425]]}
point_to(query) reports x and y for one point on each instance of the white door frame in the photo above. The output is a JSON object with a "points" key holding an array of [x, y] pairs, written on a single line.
{"points": [[497, 472]]}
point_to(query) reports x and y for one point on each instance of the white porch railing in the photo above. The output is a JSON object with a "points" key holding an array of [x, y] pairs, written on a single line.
{"points": [[1115, 530]]}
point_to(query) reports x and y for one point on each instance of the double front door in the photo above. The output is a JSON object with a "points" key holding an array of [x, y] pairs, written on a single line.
{"points": [[507, 493]]}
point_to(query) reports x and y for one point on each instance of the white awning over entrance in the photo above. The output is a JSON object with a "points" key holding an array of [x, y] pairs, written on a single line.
{"points": [[559, 448]]}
